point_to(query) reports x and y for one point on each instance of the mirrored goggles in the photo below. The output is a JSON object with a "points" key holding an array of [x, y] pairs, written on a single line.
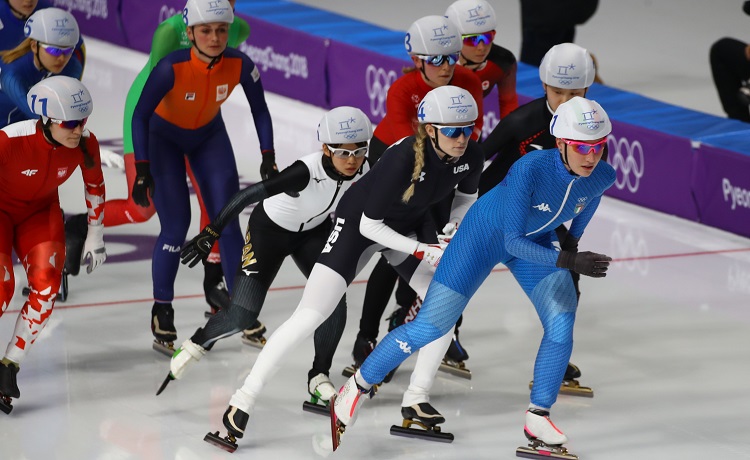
{"points": [[345, 153], [476, 39], [56, 50], [70, 124], [454, 132], [584, 148], [438, 60]]}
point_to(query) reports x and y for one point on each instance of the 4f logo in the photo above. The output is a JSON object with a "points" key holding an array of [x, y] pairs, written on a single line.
{"points": [[29, 172], [334, 235], [543, 207]]}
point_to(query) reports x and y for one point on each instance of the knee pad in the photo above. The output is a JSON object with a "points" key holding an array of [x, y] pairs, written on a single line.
{"points": [[44, 265]]}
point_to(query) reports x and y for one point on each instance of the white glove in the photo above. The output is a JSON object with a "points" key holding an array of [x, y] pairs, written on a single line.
{"points": [[430, 253], [94, 253], [448, 231], [111, 159]]}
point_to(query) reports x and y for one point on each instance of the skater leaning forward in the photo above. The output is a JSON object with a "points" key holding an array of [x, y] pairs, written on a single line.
{"points": [[291, 220], [36, 157], [387, 211], [178, 116], [514, 224]]}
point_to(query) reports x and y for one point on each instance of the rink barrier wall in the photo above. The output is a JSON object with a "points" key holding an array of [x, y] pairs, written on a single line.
{"points": [[670, 159]]}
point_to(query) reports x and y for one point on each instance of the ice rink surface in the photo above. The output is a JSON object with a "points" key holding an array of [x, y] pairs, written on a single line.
{"points": [[663, 340]]}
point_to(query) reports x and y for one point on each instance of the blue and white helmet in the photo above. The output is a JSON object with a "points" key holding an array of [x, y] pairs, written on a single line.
{"points": [[567, 66], [344, 125], [472, 16], [432, 36], [53, 26], [447, 104], [60, 97], [207, 11], [580, 119]]}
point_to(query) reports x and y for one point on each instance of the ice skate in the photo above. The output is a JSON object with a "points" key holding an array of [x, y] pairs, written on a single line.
{"points": [[545, 439], [427, 418], [570, 385], [362, 349], [453, 361], [8, 385], [235, 421], [253, 336], [76, 230], [321, 391], [162, 326], [344, 406], [182, 359]]}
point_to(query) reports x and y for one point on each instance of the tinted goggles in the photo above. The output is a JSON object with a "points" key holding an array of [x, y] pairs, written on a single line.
{"points": [[70, 124], [454, 132], [56, 50], [438, 60], [476, 39], [346, 153], [584, 148]]}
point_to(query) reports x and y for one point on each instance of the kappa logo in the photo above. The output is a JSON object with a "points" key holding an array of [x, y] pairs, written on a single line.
{"points": [[29, 172], [629, 162], [222, 91], [404, 346], [543, 207]]}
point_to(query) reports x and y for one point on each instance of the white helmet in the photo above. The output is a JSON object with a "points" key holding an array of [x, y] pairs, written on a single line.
{"points": [[344, 125], [60, 97], [447, 104], [207, 11], [580, 119], [472, 16], [568, 66], [432, 36], [53, 26]]}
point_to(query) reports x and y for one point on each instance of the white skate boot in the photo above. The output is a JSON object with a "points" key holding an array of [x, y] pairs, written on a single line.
{"points": [[545, 439], [321, 391], [344, 406], [184, 357]]}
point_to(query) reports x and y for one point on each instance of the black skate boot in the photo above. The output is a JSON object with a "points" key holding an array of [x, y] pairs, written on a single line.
{"points": [[427, 418], [8, 385], [76, 230], [570, 385], [253, 336], [235, 421], [162, 326], [215, 289], [362, 349], [453, 361]]}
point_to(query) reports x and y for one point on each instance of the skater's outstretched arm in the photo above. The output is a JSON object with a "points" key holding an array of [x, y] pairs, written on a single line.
{"points": [[292, 179]]}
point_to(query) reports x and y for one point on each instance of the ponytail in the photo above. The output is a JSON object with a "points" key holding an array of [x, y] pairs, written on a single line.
{"points": [[419, 144], [11, 55]]}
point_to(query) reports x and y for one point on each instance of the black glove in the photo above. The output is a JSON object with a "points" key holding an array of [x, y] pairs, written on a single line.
{"points": [[199, 247], [143, 186], [586, 263], [268, 166]]}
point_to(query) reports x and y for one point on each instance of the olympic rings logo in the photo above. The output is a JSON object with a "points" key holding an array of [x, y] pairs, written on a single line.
{"points": [[462, 109], [630, 245], [629, 162], [350, 136], [378, 82], [166, 12]]}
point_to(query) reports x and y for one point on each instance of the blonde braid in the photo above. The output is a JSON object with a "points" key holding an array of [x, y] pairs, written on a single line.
{"points": [[418, 162]]}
